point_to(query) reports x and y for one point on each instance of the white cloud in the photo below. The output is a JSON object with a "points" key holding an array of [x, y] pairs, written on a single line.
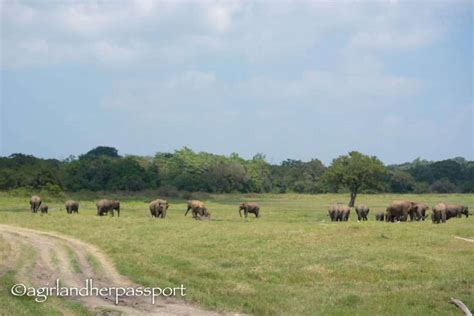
{"points": [[220, 15], [111, 53], [392, 40], [177, 32], [195, 92]]}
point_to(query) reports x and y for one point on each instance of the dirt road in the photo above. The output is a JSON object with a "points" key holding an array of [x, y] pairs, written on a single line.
{"points": [[73, 262]]}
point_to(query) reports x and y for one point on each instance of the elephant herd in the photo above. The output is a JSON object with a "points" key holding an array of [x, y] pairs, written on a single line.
{"points": [[400, 211], [397, 211], [157, 208], [103, 206]]}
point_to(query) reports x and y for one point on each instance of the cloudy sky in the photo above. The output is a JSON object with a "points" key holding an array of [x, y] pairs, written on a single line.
{"points": [[289, 79]]}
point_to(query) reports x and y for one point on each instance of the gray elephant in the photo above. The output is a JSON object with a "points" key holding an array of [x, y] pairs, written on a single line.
{"points": [[158, 208], [71, 206], [420, 211], [249, 207], [339, 212], [343, 213], [35, 203], [400, 210], [439, 213], [199, 210], [44, 208], [362, 211], [108, 206], [457, 210], [332, 212], [380, 216]]}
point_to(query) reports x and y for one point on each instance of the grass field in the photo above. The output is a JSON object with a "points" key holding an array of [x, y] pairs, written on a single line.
{"points": [[291, 261]]}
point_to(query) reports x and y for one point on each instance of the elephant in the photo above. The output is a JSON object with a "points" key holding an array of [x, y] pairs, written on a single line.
{"points": [[204, 214], [105, 206], [44, 208], [35, 203], [332, 212], [72, 206], [458, 210], [400, 210], [199, 210], [380, 216], [158, 208], [339, 213], [249, 207], [343, 213], [362, 211], [439, 213], [420, 211]]}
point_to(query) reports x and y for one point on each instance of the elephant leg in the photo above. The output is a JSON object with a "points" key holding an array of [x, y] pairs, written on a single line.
{"points": [[246, 212], [240, 212]]}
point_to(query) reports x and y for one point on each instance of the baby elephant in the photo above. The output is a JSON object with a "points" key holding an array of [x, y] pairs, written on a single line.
{"points": [[362, 211], [249, 207], [44, 208], [71, 206], [158, 208], [380, 216]]}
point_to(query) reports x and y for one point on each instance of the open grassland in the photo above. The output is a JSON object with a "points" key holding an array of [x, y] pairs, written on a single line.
{"points": [[292, 261]]}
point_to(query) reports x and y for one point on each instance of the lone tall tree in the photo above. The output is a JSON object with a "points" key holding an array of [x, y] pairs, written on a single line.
{"points": [[355, 171]]}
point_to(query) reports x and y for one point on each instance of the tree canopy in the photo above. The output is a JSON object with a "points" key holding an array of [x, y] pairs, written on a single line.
{"points": [[355, 172], [103, 169]]}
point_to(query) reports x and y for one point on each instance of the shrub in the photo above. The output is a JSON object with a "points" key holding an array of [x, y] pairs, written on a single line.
{"points": [[443, 186]]}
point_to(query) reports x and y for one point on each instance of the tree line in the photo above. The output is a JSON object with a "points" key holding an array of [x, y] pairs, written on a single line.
{"points": [[103, 169]]}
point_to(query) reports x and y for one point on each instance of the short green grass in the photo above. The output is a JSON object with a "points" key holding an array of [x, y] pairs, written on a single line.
{"points": [[292, 261], [73, 260]]}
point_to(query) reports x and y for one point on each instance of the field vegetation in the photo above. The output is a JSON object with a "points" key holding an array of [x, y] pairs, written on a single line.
{"points": [[291, 261]]}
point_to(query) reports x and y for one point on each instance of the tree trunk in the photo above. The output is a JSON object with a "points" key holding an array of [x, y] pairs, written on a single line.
{"points": [[353, 198]]}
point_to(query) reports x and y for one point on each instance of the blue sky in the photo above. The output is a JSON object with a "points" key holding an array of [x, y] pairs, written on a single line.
{"points": [[288, 79]]}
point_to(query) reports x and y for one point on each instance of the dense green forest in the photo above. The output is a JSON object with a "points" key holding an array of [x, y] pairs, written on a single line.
{"points": [[103, 169]]}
